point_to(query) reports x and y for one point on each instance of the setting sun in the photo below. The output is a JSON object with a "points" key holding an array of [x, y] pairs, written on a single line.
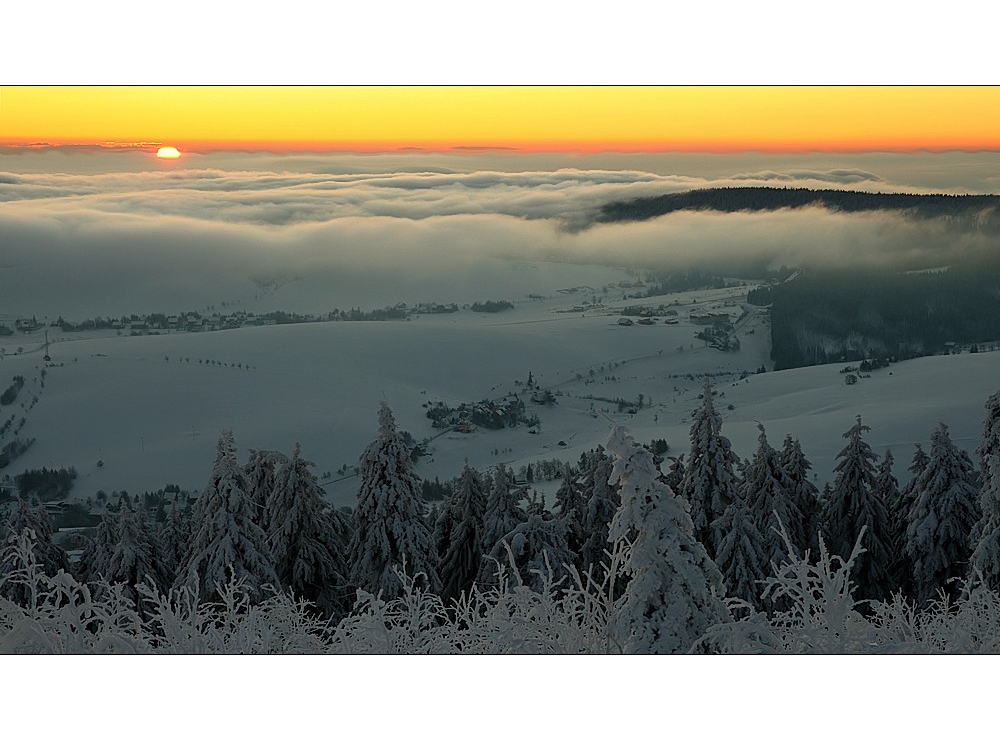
{"points": [[167, 152]]}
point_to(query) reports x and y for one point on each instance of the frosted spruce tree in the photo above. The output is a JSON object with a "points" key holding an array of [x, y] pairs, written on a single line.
{"points": [[803, 493], [32, 518], [852, 505], [262, 475], [174, 533], [308, 540], [941, 520], [503, 511], [463, 554], [226, 540], [602, 503], [985, 561], [136, 558], [675, 472], [97, 553], [740, 557], [709, 483], [886, 490], [901, 570], [571, 505], [765, 490], [390, 528], [675, 591], [539, 549]]}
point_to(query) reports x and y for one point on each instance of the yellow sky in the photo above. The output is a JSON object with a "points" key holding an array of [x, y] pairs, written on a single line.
{"points": [[529, 118]]}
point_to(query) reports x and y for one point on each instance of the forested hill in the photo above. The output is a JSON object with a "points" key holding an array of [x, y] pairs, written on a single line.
{"points": [[731, 200]]}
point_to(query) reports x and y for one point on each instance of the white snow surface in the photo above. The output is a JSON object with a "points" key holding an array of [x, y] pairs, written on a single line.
{"points": [[155, 421]]}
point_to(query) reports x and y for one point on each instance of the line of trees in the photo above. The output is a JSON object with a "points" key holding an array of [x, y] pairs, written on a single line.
{"points": [[664, 561]]}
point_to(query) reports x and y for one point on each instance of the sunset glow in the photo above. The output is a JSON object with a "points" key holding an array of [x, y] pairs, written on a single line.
{"points": [[586, 119]]}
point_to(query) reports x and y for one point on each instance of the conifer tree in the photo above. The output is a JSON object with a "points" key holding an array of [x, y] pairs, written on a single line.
{"points": [[571, 505], [226, 541], [49, 556], [985, 561], [675, 590], [390, 529], [175, 533], [262, 475], [853, 505], [709, 483], [538, 545], [675, 472], [803, 493], [463, 554], [765, 490], [97, 553], [503, 512], [602, 503], [308, 540], [901, 570], [941, 520], [886, 490], [135, 558], [741, 554]]}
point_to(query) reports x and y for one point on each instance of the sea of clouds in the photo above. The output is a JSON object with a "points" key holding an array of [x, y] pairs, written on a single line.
{"points": [[90, 232]]}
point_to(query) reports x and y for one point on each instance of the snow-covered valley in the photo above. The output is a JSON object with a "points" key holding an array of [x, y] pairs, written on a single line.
{"points": [[150, 408]]}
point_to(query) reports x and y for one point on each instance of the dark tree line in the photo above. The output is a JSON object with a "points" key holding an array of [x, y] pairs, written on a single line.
{"points": [[826, 315], [731, 200]]}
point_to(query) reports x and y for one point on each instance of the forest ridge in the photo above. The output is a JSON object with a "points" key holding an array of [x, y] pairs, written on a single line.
{"points": [[737, 199]]}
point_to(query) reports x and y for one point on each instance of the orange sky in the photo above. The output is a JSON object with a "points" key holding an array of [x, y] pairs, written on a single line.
{"points": [[526, 118]]}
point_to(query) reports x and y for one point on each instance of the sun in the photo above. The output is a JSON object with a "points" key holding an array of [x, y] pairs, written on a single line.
{"points": [[167, 152]]}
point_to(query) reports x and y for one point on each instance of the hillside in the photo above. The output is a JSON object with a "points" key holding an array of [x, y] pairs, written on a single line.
{"points": [[150, 408]]}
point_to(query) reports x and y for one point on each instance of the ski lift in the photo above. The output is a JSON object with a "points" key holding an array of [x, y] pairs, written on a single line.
{"points": [[46, 356]]}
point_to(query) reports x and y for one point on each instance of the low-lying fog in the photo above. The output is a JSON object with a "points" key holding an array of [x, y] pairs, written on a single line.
{"points": [[89, 233]]}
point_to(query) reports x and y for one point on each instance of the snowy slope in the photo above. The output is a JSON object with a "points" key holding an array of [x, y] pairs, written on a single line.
{"points": [[152, 412]]}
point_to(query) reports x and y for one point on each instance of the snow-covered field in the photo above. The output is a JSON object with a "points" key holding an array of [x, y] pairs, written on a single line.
{"points": [[151, 407]]}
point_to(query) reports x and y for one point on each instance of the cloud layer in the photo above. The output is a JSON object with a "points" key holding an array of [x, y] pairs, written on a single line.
{"points": [[120, 238]]}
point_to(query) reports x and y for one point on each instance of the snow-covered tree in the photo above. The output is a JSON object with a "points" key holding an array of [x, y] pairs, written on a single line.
{"points": [[985, 561], [571, 505], [226, 540], [765, 490], [675, 472], [886, 490], [709, 483], [503, 511], [941, 520], [803, 493], [50, 557], [96, 554], [262, 475], [539, 547], [675, 590], [602, 503], [390, 529], [461, 560], [307, 538], [136, 558], [853, 505], [901, 570], [740, 557], [174, 533]]}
